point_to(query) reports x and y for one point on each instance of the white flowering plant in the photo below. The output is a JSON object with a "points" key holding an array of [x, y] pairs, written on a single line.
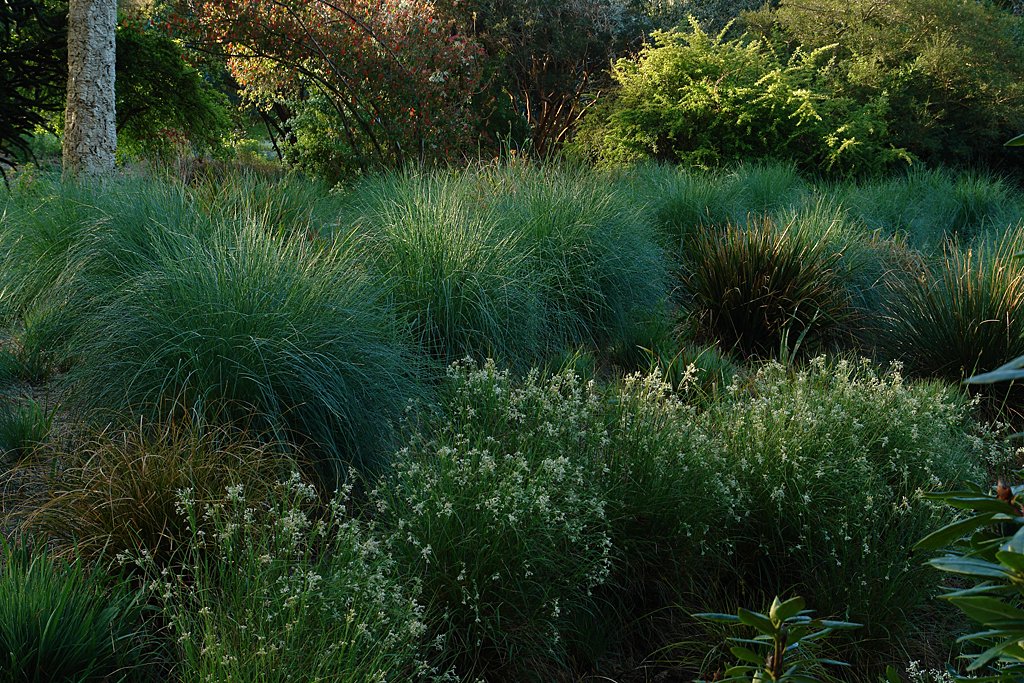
{"points": [[499, 514], [294, 590], [829, 465]]}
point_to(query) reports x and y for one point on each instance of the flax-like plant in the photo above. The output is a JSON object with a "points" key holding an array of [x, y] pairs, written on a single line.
{"points": [[962, 314], [764, 287]]}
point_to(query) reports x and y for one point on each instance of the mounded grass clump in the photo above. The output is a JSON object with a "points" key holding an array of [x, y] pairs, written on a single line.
{"points": [[963, 313], [765, 288], [284, 336], [117, 492], [54, 232], [61, 621], [514, 262], [461, 281], [928, 207], [593, 256]]}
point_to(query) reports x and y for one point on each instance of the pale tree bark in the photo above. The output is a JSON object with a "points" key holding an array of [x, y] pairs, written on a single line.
{"points": [[90, 135]]}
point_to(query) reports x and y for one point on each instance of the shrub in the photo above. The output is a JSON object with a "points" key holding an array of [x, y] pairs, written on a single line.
{"points": [[960, 314], [950, 70], [702, 100], [766, 288], [60, 621], [264, 591], [285, 336], [117, 491], [298, 64], [500, 521]]}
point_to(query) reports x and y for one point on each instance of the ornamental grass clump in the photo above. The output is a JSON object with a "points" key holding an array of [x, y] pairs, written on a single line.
{"points": [[498, 514], [595, 259], [270, 589], [63, 621], [286, 337], [514, 263], [828, 464], [961, 314], [462, 283], [116, 491], [58, 238], [767, 288], [927, 207]]}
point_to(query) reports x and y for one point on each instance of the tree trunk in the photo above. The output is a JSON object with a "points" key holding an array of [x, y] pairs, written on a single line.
{"points": [[90, 135]]}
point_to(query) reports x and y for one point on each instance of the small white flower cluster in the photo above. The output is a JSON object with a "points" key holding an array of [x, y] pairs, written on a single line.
{"points": [[283, 590], [501, 508]]}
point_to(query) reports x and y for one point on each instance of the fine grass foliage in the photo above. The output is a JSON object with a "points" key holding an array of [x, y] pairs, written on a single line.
{"points": [[116, 492], [595, 259], [24, 425], [518, 263], [285, 336], [62, 621], [929, 206], [461, 281]]}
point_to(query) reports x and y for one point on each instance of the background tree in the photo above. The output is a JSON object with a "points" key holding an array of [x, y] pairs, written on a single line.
{"points": [[350, 84], [32, 66]]}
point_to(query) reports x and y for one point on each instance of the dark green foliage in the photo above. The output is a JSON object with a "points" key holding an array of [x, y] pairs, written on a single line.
{"points": [[986, 547], [60, 621], [765, 288], [23, 426], [951, 71], [32, 66], [161, 101], [703, 100], [779, 650], [960, 314]]}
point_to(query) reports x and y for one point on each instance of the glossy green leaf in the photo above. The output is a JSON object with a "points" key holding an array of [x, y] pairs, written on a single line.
{"points": [[953, 532], [969, 566], [756, 620], [788, 609]]}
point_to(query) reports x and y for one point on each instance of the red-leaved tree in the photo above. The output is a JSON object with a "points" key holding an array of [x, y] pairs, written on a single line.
{"points": [[356, 82]]}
